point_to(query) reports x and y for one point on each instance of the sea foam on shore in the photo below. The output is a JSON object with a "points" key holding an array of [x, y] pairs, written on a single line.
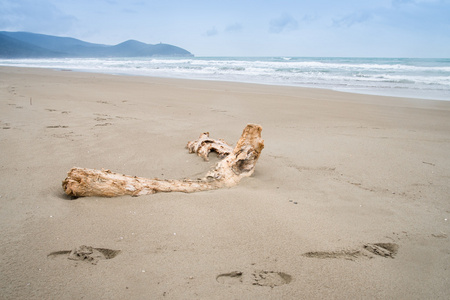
{"points": [[402, 77]]}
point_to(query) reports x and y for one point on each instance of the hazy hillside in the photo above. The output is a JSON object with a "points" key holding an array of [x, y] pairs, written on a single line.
{"points": [[27, 44], [13, 48]]}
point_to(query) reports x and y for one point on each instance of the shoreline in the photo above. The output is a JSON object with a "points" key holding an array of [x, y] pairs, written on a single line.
{"points": [[341, 175], [353, 92], [373, 92], [342, 76]]}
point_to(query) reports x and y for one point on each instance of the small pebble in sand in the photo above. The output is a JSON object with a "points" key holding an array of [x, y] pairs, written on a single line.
{"points": [[295, 202]]}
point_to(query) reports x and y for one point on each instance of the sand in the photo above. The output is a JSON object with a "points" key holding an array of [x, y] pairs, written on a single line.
{"points": [[349, 200]]}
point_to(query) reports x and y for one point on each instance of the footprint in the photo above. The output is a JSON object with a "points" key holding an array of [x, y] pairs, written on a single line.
{"points": [[438, 235], [380, 249], [234, 277], [58, 126], [86, 254], [269, 278], [343, 254], [258, 278]]}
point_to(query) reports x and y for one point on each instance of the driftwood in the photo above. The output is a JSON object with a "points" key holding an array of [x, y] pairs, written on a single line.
{"points": [[228, 172], [204, 145]]}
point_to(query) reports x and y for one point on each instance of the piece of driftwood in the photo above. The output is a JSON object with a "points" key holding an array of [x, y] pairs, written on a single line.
{"points": [[228, 172], [204, 145]]}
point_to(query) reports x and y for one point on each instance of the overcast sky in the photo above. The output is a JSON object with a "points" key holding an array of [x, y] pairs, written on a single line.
{"points": [[362, 28]]}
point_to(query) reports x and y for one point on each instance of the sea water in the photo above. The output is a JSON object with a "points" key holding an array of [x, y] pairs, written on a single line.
{"points": [[403, 77]]}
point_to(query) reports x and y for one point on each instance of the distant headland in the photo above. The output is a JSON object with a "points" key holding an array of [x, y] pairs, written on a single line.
{"points": [[33, 45]]}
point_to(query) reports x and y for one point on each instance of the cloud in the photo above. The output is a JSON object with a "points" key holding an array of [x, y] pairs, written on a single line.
{"points": [[211, 32], [236, 27], [29, 15], [352, 19], [283, 23], [308, 18]]}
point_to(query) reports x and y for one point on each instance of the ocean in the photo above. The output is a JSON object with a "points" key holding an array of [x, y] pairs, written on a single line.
{"points": [[403, 77]]}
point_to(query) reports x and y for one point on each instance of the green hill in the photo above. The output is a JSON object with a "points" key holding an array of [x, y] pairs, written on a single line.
{"points": [[28, 45]]}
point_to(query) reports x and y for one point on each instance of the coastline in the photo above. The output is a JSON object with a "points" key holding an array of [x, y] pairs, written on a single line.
{"points": [[392, 77], [361, 169]]}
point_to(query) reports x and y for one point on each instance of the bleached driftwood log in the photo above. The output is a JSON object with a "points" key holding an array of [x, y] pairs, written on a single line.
{"points": [[204, 145], [227, 172]]}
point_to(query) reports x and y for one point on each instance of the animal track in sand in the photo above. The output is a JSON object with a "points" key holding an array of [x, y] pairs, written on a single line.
{"points": [[259, 278], [86, 254], [379, 249]]}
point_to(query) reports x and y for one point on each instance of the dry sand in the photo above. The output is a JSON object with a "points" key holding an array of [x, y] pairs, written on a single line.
{"points": [[339, 172]]}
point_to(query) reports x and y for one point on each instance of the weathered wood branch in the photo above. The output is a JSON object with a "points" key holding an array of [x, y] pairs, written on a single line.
{"points": [[228, 172], [204, 145]]}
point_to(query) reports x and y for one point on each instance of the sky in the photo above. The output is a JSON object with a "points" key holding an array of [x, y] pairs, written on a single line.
{"points": [[308, 28]]}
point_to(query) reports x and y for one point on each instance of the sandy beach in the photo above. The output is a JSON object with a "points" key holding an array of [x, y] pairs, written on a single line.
{"points": [[350, 198]]}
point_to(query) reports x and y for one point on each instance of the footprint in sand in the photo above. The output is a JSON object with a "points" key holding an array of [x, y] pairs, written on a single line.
{"points": [[230, 278], [343, 254], [380, 249], [269, 278], [259, 278], [86, 254]]}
